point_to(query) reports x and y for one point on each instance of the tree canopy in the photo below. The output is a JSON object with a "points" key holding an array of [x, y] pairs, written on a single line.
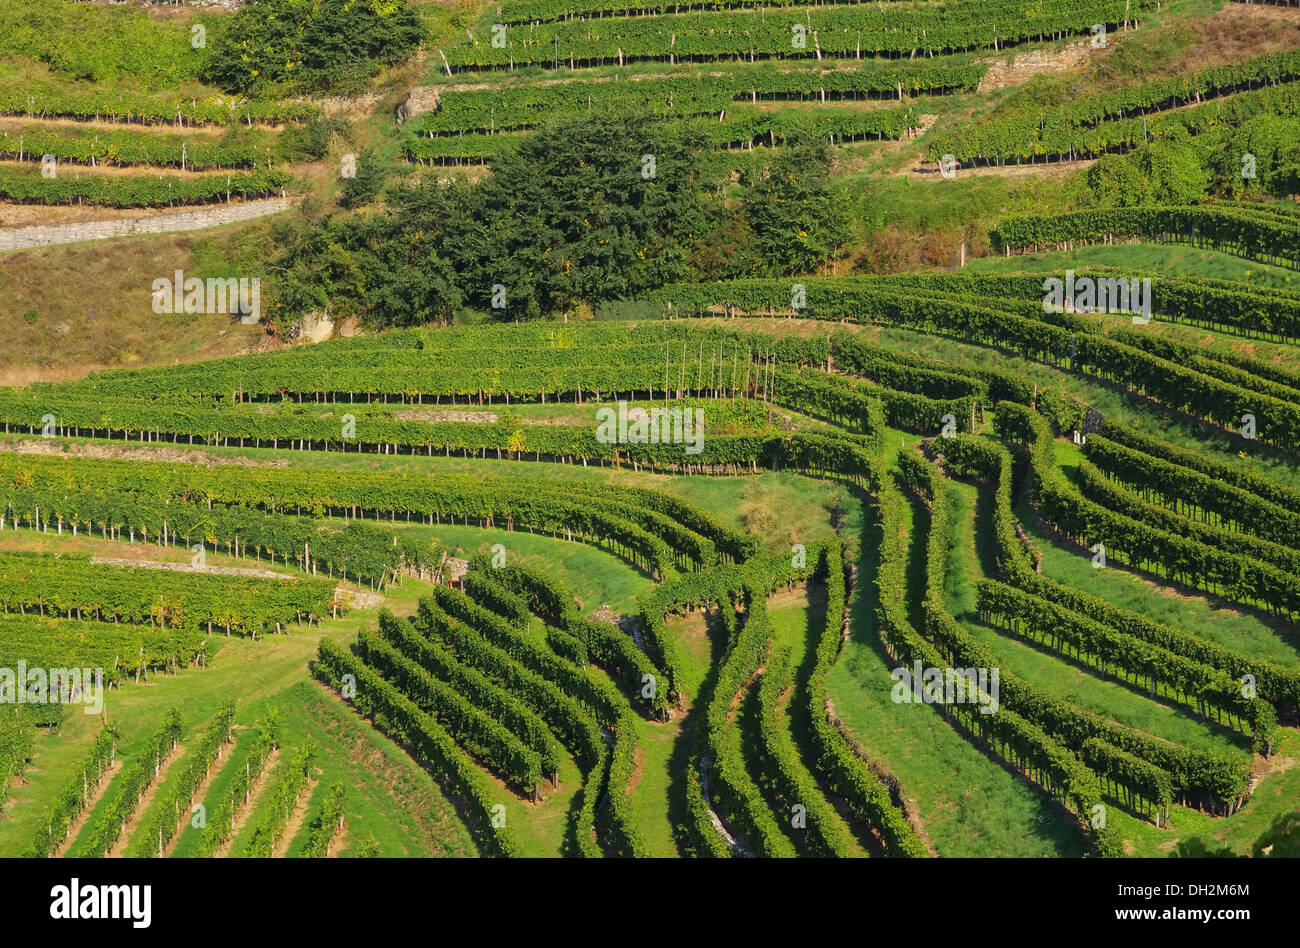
{"points": [[585, 211]]}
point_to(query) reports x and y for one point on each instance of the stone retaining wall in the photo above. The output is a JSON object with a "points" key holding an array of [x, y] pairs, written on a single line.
{"points": [[19, 238]]}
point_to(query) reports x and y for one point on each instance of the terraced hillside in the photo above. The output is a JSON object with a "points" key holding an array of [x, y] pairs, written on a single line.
{"points": [[948, 523], [127, 125], [736, 429], [845, 73]]}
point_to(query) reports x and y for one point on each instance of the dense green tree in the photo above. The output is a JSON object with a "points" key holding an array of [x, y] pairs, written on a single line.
{"points": [[593, 209], [585, 211], [728, 249], [359, 265], [366, 182], [299, 285], [797, 221]]}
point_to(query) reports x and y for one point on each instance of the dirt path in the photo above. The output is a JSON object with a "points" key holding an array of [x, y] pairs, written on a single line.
{"points": [[186, 567], [79, 823], [296, 819], [250, 806], [338, 842], [927, 171], [415, 414], [123, 840], [19, 123], [638, 770], [132, 451], [106, 169]]}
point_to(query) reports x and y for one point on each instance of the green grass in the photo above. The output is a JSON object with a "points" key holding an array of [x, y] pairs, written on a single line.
{"points": [[1169, 260], [597, 578], [270, 672], [233, 758], [652, 785], [967, 802], [1067, 680], [693, 635], [1245, 631]]}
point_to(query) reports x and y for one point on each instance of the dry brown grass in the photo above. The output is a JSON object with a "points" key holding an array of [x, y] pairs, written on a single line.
{"points": [[14, 124], [1235, 32], [93, 305], [24, 215], [66, 169]]}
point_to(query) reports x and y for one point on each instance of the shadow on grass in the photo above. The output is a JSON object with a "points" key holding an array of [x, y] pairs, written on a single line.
{"points": [[688, 747], [1286, 631], [799, 711], [1054, 823], [984, 551]]}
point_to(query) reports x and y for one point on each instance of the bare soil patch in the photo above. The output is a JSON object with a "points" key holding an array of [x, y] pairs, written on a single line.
{"points": [[416, 414], [338, 842], [134, 453], [928, 171], [186, 567], [120, 171], [296, 819], [15, 123]]}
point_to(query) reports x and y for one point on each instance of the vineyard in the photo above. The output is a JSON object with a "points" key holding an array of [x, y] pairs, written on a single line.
{"points": [[138, 75], [495, 677], [1218, 98], [849, 31], [755, 75], [737, 532]]}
